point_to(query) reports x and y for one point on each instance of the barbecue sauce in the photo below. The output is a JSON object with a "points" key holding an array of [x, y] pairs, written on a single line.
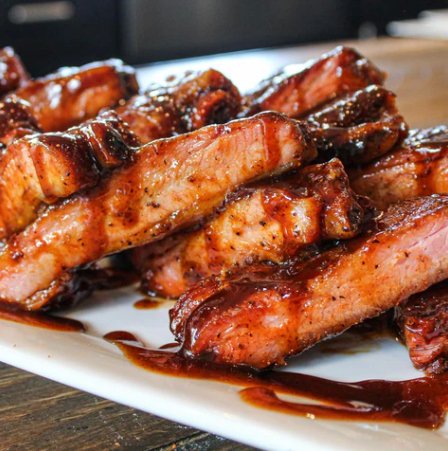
{"points": [[419, 402], [362, 337], [39, 319], [147, 304], [120, 336], [174, 344]]}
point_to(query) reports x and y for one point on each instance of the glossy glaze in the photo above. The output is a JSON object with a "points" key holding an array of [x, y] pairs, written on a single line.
{"points": [[355, 108], [10, 312], [42, 168], [340, 71], [12, 71], [423, 322], [16, 121], [267, 313], [267, 221], [52, 166], [419, 402], [417, 168], [73, 95], [141, 202], [181, 105], [147, 304]]}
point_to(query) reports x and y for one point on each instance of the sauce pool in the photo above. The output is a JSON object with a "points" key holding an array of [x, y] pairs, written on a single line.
{"points": [[147, 304], [174, 344], [39, 319], [419, 402]]}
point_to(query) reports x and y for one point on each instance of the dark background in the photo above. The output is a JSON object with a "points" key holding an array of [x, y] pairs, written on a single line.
{"points": [[53, 33]]}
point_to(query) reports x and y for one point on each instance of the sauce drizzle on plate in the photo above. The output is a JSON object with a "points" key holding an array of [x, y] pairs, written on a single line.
{"points": [[39, 319], [419, 402]]}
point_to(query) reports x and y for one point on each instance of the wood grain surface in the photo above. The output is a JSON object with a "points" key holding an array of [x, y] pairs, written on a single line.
{"points": [[39, 414]]}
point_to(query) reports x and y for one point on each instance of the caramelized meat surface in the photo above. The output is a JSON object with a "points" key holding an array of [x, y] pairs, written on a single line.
{"points": [[73, 95], [16, 121], [359, 127], [368, 104], [419, 167], [12, 72], [55, 165], [423, 322], [169, 184], [262, 317], [268, 221], [314, 84], [182, 105], [361, 143], [42, 168]]}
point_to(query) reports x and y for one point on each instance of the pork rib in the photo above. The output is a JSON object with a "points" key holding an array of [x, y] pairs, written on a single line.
{"points": [[268, 221], [361, 143], [359, 127], [169, 184], [263, 317], [12, 72], [182, 105], [417, 168], [16, 121], [423, 322], [45, 167], [73, 95], [296, 94], [368, 104]]}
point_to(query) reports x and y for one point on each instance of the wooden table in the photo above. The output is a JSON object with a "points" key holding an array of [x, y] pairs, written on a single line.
{"points": [[39, 414], [36, 413]]}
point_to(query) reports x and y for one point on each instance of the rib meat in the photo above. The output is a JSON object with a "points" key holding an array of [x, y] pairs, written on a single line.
{"points": [[369, 104], [314, 84], [419, 167], [268, 221], [358, 127], [73, 95], [182, 105], [423, 322], [170, 183], [361, 143], [43, 168], [12, 72], [262, 317], [169, 267], [16, 121]]}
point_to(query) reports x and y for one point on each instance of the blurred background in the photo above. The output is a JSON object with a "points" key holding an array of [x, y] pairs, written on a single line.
{"points": [[49, 34]]}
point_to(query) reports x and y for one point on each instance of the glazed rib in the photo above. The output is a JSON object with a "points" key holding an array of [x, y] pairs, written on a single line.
{"points": [[173, 265], [358, 127], [417, 168], [170, 183], [73, 95], [423, 322], [264, 316], [182, 105], [296, 94], [43, 168], [368, 104], [12, 71], [16, 121], [362, 143], [268, 221]]}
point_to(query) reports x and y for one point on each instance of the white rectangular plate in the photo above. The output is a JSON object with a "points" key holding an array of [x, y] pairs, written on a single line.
{"points": [[89, 363]]}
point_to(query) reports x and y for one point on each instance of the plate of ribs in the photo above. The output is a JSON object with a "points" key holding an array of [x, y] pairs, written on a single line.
{"points": [[267, 265]]}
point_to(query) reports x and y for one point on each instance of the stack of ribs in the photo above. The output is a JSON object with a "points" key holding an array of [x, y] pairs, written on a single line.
{"points": [[277, 218]]}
